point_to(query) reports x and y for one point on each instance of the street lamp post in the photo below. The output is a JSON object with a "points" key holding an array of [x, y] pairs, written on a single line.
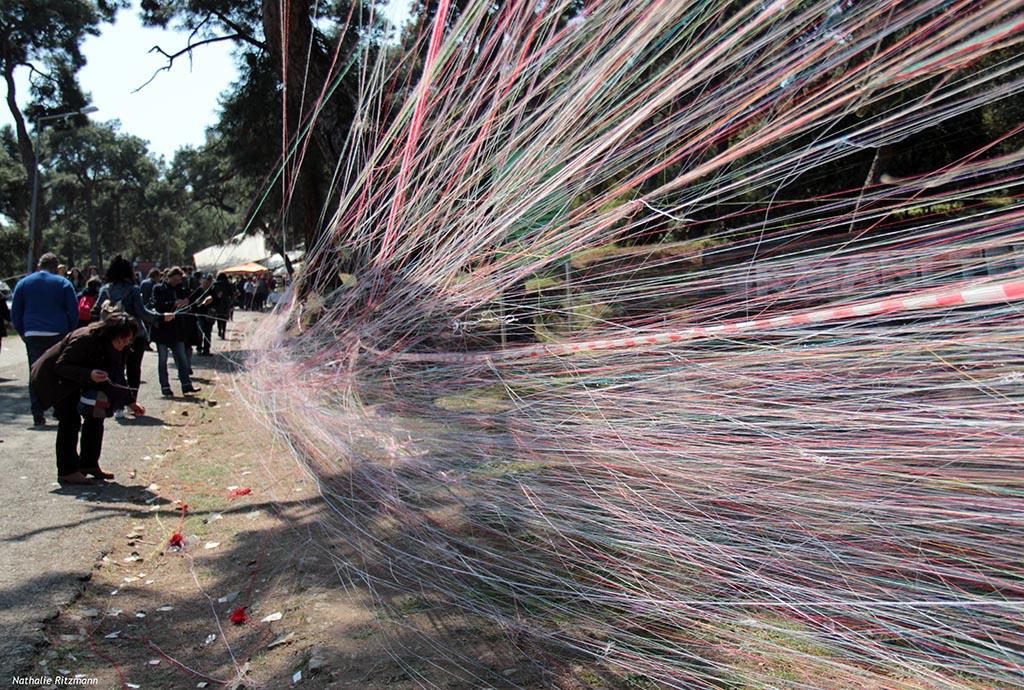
{"points": [[32, 220]]}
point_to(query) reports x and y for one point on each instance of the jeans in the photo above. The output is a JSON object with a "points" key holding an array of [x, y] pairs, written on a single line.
{"points": [[35, 346], [180, 352], [69, 424]]}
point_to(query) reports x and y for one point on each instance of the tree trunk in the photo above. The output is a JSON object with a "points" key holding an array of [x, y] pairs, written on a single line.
{"points": [[28, 158], [117, 227], [94, 232], [304, 69], [279, 249]]}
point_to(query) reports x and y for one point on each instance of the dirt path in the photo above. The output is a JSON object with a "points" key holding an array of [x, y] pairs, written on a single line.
{"points": [[154, 615], [51, 536]]}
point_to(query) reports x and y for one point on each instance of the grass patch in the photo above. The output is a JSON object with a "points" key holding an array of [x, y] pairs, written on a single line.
{"points": [[488, 399], [503, 469], [541, 284]]}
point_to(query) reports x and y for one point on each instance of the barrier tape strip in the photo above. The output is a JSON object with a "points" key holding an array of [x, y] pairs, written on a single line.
{"points": [[1007, 291]]}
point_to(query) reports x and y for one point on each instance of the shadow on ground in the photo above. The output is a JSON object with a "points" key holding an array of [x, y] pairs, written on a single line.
{"points": [[147, 601]]}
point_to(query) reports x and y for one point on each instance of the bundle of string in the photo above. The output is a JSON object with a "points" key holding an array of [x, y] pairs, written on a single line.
{"points": [[784, 452]]}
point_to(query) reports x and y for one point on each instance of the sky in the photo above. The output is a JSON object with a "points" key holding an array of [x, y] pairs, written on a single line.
{"points": [[174, 109]]}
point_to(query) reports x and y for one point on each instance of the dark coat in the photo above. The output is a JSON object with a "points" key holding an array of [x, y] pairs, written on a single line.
{"points": [[183, 327], [65, 368], [223, 296], [196, 308], [146, 290], [5, 316]]}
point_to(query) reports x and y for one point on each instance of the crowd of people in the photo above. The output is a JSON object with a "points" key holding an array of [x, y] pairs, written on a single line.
{"points": [[86, 336], [251, 293]]}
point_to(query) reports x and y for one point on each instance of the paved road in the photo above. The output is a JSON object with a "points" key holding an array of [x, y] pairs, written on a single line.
{"points": [[50, 536]]}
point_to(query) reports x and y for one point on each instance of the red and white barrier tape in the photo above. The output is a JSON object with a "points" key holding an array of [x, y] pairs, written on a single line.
{"points": [[986, 294]]}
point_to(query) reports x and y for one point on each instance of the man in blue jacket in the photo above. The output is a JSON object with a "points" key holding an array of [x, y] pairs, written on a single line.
{"points": [[44, 310]]}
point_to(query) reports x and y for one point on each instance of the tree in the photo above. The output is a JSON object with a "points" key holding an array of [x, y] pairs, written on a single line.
{"points": [[45, 37], [13, 205], [101, 178], [214, 194], [13, 187], [284, 55]]}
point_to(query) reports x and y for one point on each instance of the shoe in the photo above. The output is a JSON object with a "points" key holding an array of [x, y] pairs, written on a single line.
{"points": [[119, 413], [191, 389], [74, 478], [167, 392], [98, 473], [39, 420]]}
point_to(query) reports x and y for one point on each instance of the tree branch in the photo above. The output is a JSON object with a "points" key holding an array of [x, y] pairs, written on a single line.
{"points": [[242, 33], [35, 70], [198, 26], [171, 57]]}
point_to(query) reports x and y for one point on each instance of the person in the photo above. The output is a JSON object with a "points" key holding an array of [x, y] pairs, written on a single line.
{"points": [[250, 294], [77, 281], [121, 293], [223, 302], [62, 271], [44, 310], [191, 278], [146, 287], [261, 293], [81, 376], [87, 300], [5, 318], [172, 336], [202, 301], [189, 321]]}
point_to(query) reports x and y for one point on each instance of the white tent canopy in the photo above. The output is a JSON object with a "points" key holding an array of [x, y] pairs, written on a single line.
{"points": [[239, 249], [275, 262]]}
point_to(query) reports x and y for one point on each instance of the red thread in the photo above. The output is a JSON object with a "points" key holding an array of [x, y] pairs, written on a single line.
{"points": [[239, 616]]}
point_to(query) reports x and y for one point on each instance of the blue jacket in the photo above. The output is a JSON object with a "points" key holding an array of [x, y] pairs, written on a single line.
{"points": [[44, 302]]}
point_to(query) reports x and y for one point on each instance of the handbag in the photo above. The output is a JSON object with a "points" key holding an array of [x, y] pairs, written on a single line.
{"points": [[94, 403]]}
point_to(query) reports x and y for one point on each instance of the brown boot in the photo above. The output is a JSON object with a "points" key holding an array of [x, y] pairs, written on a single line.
{"points": [[74, 478], [98, 473]]}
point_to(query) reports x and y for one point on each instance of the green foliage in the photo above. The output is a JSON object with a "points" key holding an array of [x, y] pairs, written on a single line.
{"points": [[109, 194], [13, 180], [45, 36], [41, 30], [99, 180], [252, 132]]}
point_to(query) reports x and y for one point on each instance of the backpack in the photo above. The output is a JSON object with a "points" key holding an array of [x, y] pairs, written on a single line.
{"points": [[111, 307], [108, 307], [85, 305]]}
